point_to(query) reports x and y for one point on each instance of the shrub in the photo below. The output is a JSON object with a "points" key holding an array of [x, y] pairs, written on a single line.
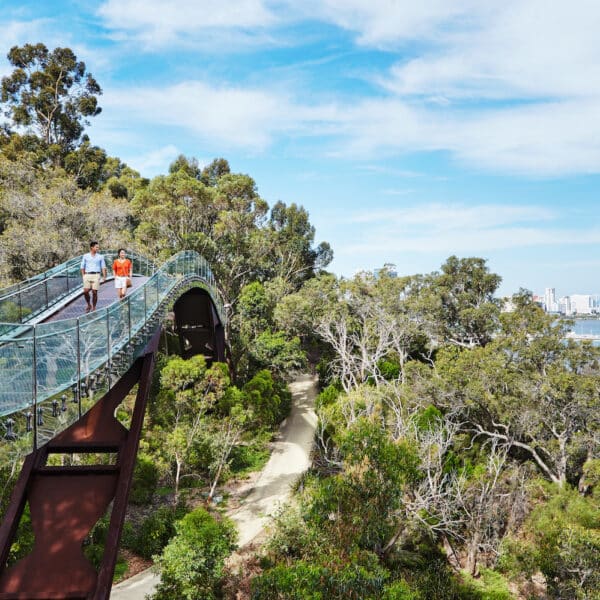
{"points": [[360, 579], [145, 479], [192, 563], [154, 532], [562, 540]]}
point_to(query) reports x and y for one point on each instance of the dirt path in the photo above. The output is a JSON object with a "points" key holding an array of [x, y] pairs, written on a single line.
{"points": [[289, 459]]}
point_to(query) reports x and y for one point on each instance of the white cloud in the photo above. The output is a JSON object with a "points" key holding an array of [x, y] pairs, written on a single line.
{"points": [[529, 49], [392, 22], [546, 139], [437, 229], [158, 22], [234, 117], [511, 87], [443, 229], [154, 161], [455, 217]]}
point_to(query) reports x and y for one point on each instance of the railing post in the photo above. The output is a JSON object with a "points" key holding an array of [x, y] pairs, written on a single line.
{"points": [[78, 340], [20, 307], [129, 319], [46, 288], [34, 391], [108, 361]]}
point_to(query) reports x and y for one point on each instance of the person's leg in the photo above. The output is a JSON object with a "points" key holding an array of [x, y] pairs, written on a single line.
{"points": [[94, 299], [86, 295]]}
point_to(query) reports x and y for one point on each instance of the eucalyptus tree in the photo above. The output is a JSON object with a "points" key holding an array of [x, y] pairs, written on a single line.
{"points": [[46, 218], [50, 93], [458, 303], [530, 390]]}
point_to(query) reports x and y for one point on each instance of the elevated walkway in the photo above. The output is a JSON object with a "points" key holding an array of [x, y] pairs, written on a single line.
{"points": [[62, 375]]}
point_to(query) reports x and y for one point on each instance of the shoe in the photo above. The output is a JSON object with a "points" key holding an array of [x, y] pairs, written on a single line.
{"points": [[87, 310]]}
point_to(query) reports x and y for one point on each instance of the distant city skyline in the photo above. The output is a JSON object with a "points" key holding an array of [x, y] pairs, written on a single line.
{"points": [[412, 131]]}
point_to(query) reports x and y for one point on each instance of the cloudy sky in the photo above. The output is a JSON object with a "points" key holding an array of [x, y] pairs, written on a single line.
{"points": [[410, 131]]}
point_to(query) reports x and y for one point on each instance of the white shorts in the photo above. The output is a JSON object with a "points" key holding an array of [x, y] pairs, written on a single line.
{"points": [[120, 282]]}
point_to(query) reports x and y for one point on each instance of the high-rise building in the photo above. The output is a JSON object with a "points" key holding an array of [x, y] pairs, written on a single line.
{"points": [[582, 304], [564, 305], [550, 300]]}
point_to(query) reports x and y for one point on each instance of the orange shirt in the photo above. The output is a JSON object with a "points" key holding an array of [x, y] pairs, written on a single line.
{"points": [[122, 269]]}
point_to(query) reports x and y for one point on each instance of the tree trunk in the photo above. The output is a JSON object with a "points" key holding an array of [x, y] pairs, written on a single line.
{"points": [[472, 552]]}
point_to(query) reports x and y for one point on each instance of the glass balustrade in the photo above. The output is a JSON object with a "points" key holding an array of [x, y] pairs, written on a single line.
{"points": [[51, 372]]}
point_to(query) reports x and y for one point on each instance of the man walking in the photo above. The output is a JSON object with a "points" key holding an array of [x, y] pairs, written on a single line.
{"points": [[92, 266]]}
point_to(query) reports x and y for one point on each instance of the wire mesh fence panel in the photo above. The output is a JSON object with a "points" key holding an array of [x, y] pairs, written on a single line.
{"points": [[18, 377], [93, 351], [57, 355]]}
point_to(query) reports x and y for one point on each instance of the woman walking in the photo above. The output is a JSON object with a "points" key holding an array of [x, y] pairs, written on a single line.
{"points": [[123, 271]]}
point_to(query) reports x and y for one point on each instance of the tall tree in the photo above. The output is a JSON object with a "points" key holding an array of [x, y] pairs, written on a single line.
{"points": [[50, 92], [458, 304]]}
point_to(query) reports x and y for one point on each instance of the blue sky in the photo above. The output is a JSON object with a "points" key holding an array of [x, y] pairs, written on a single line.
{"points": [[410, 131]]}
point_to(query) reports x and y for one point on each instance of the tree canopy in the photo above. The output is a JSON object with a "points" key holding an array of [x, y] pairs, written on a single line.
{"points": [[51, 93]]}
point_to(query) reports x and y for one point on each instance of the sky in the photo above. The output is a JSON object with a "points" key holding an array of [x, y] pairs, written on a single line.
{"points": [[410, 131]]}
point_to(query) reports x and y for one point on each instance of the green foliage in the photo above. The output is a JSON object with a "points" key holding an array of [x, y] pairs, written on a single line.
{"points": [[400, 590], [268, 400], [145, 480], [591, 476], [428, 418], [250, 455], [24, 539], [282, 356], [362, 578], [328, 396], [490, 585], [51, 92], [562, 540], [154, 532], [192, 563], [389, 369]]}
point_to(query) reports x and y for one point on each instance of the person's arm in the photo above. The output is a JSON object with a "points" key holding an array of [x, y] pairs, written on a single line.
{"points": [[83, 266], [130, 269], [103, 269]]}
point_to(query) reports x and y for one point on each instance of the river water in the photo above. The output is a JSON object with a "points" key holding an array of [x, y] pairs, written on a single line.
{"points": [[588, 327]]}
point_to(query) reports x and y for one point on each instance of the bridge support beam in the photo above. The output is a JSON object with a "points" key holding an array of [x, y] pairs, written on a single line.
{"points": [[66, 501]]}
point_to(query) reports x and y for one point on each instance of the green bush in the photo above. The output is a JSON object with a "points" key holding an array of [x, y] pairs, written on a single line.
{"points": [[154, 532], [192, 563], [269, 400], [145, 479], [24, 539], [328, 396], [561, 538], [400, 590], [389, 369], [251, 456], [360, 579], [490, 585]]}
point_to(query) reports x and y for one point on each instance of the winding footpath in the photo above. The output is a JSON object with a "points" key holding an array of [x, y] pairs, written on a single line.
{"points": [[289, 459]]}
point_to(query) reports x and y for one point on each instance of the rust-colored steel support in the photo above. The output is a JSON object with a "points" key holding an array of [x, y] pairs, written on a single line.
{"points": [[66, 502]]}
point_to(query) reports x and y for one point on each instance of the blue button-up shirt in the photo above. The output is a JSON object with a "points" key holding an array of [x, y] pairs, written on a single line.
{"points": [[92, 264]]}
